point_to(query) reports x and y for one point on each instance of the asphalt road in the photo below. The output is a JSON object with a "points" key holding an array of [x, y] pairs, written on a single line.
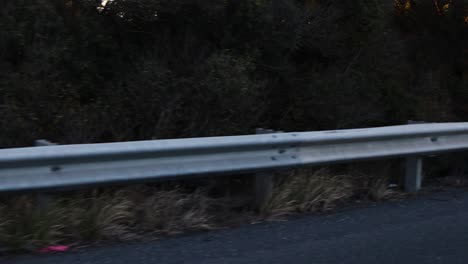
{"points": [[428, 229]]}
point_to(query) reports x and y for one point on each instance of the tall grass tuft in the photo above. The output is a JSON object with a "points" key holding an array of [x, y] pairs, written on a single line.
{"points": [[309, 191]]}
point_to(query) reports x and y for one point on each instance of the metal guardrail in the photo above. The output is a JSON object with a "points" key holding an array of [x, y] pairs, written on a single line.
{"points": [[97, 164]]}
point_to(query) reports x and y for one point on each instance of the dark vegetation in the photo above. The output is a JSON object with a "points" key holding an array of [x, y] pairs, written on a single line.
{"points": [[76, 71], [71, 72]]}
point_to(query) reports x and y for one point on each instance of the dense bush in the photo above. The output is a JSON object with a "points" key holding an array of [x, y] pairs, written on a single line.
{"points": [[436, 35], [74, 71]]}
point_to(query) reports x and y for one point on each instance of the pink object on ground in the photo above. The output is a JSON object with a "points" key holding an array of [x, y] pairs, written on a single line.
{"points": [[57, 248]]}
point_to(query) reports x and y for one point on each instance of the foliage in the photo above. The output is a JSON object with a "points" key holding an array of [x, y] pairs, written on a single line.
{"points": [[77, 71]]}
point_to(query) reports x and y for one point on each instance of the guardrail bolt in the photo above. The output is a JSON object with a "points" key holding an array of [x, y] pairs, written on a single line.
{"points": [[55, 168]]}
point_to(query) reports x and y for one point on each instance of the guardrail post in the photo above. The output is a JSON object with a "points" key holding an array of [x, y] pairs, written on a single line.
{"points": [[413, 169], [413, 175], [43, 200], [263, 181]]}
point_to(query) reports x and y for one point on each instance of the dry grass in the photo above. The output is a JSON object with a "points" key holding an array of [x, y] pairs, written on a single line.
{"points": [[309, 191], [107, 215], [24, 226], [378, 189], [122, 214], [375, 187], [133, 212], [322, 190], [173, 211], [372, 180]]}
